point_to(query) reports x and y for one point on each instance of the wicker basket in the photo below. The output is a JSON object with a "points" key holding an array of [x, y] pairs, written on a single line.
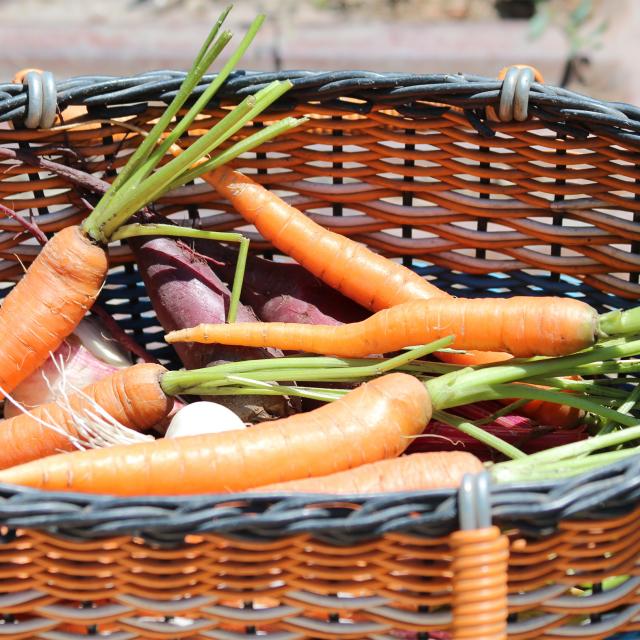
{"points": [[488, 187]]}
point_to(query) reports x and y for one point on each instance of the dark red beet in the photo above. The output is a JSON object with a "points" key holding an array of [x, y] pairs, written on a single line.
{"points": [[283, 291], [185, 292]]}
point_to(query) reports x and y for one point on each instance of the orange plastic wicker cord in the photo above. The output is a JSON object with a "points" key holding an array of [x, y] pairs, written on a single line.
{"points": [[479, 600]]}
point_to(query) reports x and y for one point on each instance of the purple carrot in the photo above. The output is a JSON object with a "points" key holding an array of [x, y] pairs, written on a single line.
{"points": [[282, 291]]}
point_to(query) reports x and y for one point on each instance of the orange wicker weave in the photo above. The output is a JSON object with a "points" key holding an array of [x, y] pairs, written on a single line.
{"points": [[413, 167]]}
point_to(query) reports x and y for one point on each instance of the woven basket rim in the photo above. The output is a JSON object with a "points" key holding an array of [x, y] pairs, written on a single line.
{"points": [[567, 112], [536, 509]]}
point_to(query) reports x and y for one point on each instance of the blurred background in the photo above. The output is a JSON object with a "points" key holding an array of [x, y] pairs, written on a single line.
{"points": [[590, 46]]}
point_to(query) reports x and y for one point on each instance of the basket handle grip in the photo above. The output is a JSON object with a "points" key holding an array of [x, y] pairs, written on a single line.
{"points": [[480, 566]]}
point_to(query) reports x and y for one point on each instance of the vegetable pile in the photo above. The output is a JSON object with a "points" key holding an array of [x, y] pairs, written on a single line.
{"points": [[340, 371]]}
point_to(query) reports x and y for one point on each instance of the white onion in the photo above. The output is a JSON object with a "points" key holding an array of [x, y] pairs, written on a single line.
{"points": [[203, 417], [48, 383]]}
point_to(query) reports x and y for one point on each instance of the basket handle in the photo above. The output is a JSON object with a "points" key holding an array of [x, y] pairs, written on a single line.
{"points": [[480, 566], [514, 94]]}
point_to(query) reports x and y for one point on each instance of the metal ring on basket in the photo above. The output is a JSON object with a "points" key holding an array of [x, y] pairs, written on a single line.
{"points": [[34, 99], [474, 501], [507, 94], [521, 95], [42, 99], [514, 94], [49, 100]]}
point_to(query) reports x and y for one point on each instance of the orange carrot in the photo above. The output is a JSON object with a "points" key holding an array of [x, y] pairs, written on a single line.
{"points": [[417, 472], [48, 303], [373, 422], [522, 326], [357, 272], [552, 414], [24, 437]]}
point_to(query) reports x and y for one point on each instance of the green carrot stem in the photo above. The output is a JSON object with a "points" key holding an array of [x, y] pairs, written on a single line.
{"points": [[631, 401], [626, 407], [238, 278], [616, 323], [175, 382], [173, 172], [153, 229], [146, 165], [209, 92], [498, 391], [243, 146], [479, 434], [312, 393], [141, 182], [598, 368], [579, 386], [133, 196], [202, 61], [134, 230], [330, 375], [513, 471], [470, 385]]}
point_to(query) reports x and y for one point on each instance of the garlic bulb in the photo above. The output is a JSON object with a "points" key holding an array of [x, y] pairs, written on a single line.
{"points": [[203, 417]]}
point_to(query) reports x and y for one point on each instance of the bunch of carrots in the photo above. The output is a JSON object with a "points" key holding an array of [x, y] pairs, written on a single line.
{"points": [[417, 353]]}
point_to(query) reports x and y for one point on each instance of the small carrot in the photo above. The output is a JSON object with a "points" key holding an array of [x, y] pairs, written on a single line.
{"points": [[417, 472], [522, 326], [366, 277], [373, 422], [132, 397]]}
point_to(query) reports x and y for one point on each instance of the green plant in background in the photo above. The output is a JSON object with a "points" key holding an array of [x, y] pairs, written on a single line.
{"points": [[582, 25]]}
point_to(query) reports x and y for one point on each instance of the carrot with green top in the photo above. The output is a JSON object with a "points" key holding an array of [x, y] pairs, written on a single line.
{"points": [[523, 326], [64, 280]]}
